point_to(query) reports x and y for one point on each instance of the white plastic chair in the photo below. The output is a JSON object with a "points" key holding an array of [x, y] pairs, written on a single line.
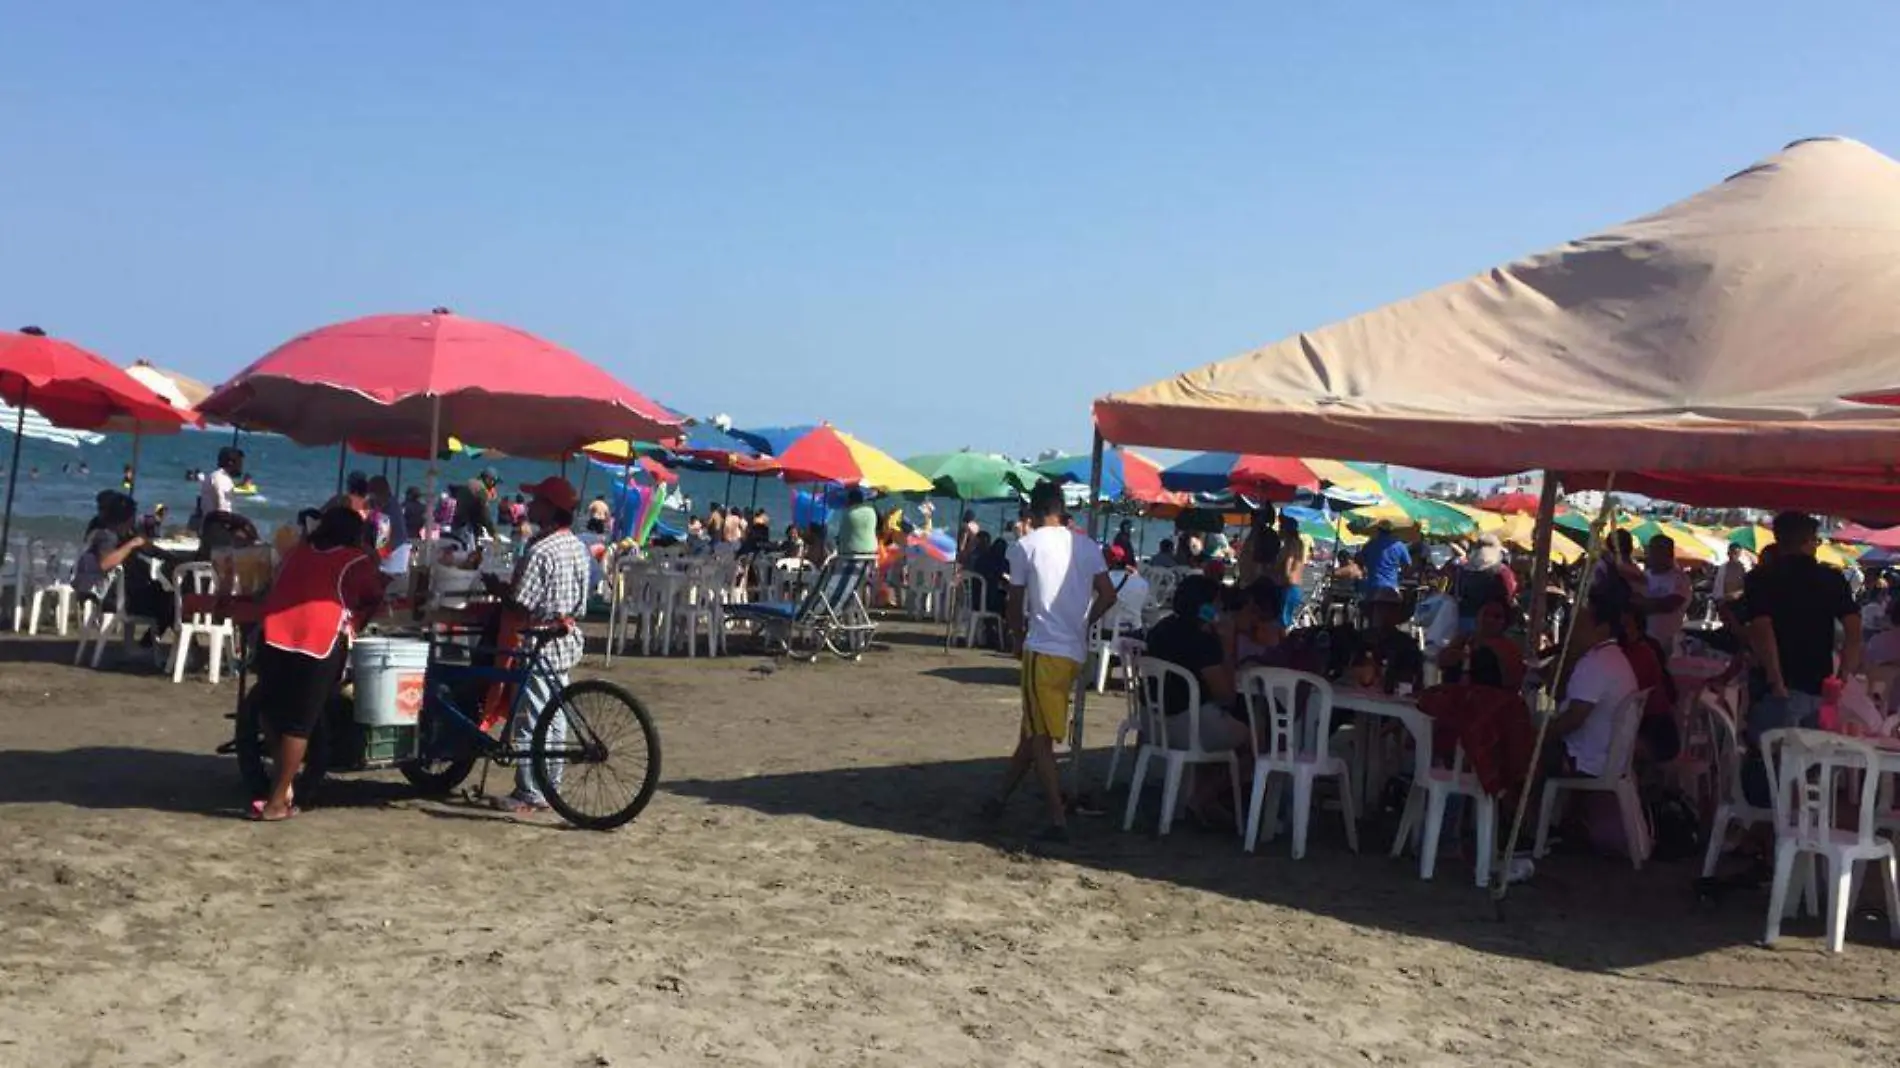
{"points": [[110, 620], [701, 605], [219, 634], [1807, 830], [1616, 780], [1734, 807], [48, 576], [1109, 645], [1432, 792], [1132, 650], [1292, 741], [972, 613], [1154, 675]]}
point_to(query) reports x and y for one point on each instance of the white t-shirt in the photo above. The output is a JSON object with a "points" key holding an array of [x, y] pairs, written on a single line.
{"points": [[1131, 599], [1604, 679], [1056, 569], [214, 494], [1664, 626], [1884, 647]]}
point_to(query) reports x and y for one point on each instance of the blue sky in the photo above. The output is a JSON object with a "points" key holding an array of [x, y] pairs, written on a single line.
{"points": [[937, 225]]}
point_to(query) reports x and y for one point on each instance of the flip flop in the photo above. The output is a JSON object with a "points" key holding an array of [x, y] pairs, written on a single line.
{"points": [[257, 813]]}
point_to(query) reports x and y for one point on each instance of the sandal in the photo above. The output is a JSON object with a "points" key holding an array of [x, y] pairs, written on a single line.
{"points": [[257, 813]]}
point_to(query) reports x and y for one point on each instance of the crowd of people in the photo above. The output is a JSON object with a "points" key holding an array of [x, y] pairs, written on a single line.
{"points": [[1791, 626]]}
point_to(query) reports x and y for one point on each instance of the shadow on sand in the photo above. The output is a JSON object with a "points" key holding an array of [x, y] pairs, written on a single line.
{"points": [[1581, 912]]}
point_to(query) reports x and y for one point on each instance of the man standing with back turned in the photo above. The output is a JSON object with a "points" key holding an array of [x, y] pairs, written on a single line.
{"points": [[1058, 590]]}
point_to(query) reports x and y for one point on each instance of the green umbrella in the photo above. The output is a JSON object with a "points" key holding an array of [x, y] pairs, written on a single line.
{"points": [[975, 476]]}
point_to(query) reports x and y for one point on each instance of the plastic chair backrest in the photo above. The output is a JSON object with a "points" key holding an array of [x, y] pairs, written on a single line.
{"points": [[1727, 743], [1806, 797], [193, 579], [1281, 727], [976, 593], [1628, 717], [1152, 693]]}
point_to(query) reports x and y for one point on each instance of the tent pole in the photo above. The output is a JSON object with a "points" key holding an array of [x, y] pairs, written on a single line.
{"points": [[1547, 514], [1540, 563], [13, 473], [395, 488]]}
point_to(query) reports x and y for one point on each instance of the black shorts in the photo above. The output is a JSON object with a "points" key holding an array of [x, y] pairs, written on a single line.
{"points": [[292, 688]]}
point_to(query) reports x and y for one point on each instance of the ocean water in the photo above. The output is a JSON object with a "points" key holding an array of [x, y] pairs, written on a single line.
{"points": [[55, 497]]}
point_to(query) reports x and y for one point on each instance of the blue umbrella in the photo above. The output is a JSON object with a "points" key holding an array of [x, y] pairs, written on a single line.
{"points": [[1207, 472], [1076, 469], [771, 440]]}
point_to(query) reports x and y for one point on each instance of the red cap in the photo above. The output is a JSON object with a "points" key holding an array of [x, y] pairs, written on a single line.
{"points": [[555, 490]]}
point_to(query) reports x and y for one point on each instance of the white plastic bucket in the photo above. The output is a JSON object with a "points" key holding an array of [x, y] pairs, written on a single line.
{"points": [[389, 680]]}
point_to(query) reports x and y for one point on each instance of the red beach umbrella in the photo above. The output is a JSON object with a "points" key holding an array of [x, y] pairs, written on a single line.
{"points": [[71, 388], [407, 381]]}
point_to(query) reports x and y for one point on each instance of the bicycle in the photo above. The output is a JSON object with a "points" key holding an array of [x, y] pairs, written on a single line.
{"points": [[593, 747]]}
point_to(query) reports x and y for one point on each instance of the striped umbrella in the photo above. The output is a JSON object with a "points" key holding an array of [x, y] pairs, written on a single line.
{"points": [[1753, 538], [828, 454], [1273, 477], [34, 427], [1126, 474]]}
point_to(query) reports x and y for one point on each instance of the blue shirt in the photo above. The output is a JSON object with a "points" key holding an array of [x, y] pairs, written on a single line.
{"points": [[1383, 558]]}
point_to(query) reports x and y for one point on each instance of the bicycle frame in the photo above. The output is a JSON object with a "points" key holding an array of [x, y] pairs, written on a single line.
{"points": [[442, 676]]}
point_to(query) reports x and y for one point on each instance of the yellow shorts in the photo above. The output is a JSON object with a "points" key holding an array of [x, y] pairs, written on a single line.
{"points": [[1048, 682]]}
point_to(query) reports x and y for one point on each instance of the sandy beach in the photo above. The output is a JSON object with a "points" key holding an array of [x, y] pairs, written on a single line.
{"points": [[812, 887]]}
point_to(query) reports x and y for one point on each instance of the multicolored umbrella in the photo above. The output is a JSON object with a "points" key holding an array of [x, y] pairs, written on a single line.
{"points": [[1406, 512], [409, 380], [828, 454], [1270, 477], [1855, 534], [1753, 538], [1688, 546], [975, 476], [771, 440], [1488, 522], [1126, 474]]}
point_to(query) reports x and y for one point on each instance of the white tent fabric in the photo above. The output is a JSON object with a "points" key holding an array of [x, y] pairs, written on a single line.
{"points": [[1729, 332]]}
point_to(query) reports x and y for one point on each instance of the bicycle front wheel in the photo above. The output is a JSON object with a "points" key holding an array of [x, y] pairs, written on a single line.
{"points": [[596, 754]]}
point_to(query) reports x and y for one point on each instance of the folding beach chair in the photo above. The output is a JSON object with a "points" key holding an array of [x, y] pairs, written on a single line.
{"points": [[831, 615]]}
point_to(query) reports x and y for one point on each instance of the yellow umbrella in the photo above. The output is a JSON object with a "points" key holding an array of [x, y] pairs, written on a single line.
{"points": [[1488, 522], [1344, 476], [1519, 532]]}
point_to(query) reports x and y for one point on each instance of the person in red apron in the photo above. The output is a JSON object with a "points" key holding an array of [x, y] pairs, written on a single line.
{"points": [[327, 587]]}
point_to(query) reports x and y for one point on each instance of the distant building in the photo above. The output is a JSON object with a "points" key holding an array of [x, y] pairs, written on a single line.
{"points": [[1587, 501]]}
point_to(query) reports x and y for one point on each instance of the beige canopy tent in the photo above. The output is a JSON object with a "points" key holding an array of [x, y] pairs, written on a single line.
{"points": [[1729, 333], [1728, 347]]}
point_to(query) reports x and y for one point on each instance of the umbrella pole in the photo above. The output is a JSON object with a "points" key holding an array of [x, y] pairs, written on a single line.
{"points": [[728, 501], [395, 489], [1540, 563], [138, 436], [755, 492], [1081, 684], [435, 435], [342, 460], [13, 473], [626, 479], [1547, 515], [586, 469]]}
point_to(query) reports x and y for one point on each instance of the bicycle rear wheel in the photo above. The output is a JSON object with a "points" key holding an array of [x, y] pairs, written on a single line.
{"points": [[600, 766]]}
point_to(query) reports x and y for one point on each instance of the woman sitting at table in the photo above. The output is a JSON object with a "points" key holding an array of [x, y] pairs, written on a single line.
{"points": [[1250, 629], [1487, 656], [327, 587], [1187, 638], [112, 543]]}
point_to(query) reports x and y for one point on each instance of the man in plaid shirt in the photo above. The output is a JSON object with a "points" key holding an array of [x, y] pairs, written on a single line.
{"points": [[549, 590]]}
